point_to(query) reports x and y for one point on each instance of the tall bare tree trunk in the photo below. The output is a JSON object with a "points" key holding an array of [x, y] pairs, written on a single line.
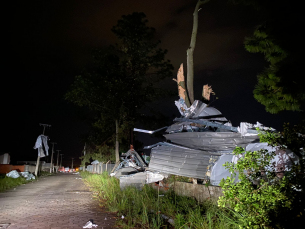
{"points": [[117, 156], [190, 52]]}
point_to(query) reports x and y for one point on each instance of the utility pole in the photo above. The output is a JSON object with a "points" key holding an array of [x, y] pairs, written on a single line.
{"points": [[44, 127], [57, 158], [38, 157], [72, 164], [61, 159], [51, 166], [84, 165]]}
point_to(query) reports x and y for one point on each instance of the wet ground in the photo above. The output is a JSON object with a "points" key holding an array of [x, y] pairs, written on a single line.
{"points": [[53, 202]]}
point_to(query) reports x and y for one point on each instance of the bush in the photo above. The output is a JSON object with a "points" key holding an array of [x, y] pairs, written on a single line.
{"points": [[260, 197]]}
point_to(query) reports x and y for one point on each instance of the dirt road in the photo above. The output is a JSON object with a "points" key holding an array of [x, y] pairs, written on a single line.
{"points": [[53, 202]]}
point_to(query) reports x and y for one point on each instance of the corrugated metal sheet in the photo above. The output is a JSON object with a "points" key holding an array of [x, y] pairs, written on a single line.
{"points": [[211, 141], [182, 161]]}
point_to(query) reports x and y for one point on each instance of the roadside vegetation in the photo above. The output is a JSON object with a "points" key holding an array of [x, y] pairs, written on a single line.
{"points": [[151, 208], [9, 182], [267, 195], [263, 198]]}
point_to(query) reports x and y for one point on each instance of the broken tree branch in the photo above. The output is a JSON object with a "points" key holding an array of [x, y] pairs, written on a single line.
{"points": [[181, 86]]}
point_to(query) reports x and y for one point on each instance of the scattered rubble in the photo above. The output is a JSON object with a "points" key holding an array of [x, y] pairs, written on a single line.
{"points": [[197, 146], [202, 140], [13, 174]]}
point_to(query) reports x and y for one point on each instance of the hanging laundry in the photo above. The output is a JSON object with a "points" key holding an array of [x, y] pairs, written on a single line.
{"points": [[42, 142]]}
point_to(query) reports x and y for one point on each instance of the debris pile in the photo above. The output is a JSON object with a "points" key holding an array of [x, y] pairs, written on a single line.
{"points": [[133, 171], [202, 140], [15, 174]]}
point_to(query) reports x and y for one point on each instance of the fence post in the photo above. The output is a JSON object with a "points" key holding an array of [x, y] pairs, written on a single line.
{"points": [[107, 165]]}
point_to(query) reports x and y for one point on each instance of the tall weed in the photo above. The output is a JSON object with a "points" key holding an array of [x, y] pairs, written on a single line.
{"points": [[150, 208]]}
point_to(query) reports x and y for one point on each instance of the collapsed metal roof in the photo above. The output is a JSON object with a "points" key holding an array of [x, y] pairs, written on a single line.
{"points": [[211, 141], [197, 140]]}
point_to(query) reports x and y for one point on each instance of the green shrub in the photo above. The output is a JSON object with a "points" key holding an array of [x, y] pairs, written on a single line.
{"points": [[260, 197]]}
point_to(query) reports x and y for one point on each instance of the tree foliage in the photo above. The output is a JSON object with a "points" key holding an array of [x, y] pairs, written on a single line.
{"points": [[261, 197], [278, 38], [103, 153], [122, 77]]}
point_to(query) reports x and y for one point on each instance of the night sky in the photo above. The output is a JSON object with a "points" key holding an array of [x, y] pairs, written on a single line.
{"points": [[48, 42]]}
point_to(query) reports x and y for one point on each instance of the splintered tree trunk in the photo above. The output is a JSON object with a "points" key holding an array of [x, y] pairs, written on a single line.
{"points": [[117, 156], [190, 52], [181, 86]]}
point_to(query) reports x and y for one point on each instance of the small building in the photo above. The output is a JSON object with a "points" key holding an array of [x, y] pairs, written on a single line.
{"points": [[5, 159]]}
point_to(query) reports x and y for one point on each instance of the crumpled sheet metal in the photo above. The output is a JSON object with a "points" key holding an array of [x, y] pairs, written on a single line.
{"points": [[211, 141], [283, 159], [218, 171], [181, 161], [132, 159], [191, 126], [139, 179], [281, 162], [199, 109]]}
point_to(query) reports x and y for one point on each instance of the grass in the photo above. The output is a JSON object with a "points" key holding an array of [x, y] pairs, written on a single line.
{"points": [[9, 182], [149, 207], [45, 173]]}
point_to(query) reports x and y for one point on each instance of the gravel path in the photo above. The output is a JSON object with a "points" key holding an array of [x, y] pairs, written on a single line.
{"points": [[53, 202]]}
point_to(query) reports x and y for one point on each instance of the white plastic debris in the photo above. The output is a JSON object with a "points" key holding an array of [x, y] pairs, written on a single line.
{"points": [[153, 177], [42, 140], [27, 175], [89, 224], [13, 174], [244, 126], [95, 162], [123, 217]]}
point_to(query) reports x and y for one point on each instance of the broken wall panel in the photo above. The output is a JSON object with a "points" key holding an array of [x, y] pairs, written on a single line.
{"points": [[180, 161]]}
